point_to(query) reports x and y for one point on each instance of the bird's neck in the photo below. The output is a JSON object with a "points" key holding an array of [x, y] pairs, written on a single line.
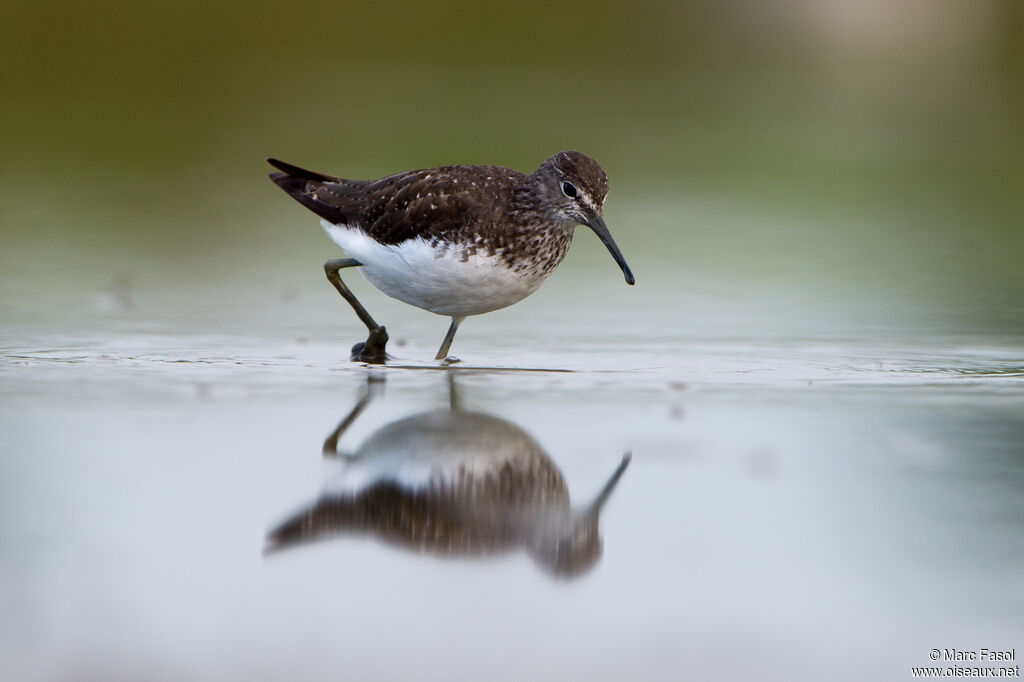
{"points": [[536, 239]]}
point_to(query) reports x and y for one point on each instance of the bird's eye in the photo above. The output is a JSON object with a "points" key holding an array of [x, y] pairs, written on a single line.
{"points": [[569, 190]]}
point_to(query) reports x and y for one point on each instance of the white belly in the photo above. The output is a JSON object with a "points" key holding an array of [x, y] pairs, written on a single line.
{"points": [[433, 279]]}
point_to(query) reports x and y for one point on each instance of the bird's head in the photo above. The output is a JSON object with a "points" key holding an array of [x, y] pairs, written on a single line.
{"points": [[573, 187]]}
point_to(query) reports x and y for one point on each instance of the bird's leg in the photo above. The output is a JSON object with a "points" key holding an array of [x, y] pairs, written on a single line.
{"points": [[442, 353], [372, 350]]}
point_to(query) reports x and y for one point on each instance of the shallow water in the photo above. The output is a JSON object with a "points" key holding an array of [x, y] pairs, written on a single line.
{"points": [[793, 510]]}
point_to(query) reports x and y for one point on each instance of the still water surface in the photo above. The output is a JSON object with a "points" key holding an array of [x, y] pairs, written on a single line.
{"points": [[792, 509]]}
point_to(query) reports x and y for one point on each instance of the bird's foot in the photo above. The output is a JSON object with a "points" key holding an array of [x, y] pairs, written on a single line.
{"points": [[450, 360], [372, 350]]}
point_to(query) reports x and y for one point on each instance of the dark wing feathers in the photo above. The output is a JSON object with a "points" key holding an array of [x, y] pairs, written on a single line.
{"points": [[424, 204], [433, 203]]}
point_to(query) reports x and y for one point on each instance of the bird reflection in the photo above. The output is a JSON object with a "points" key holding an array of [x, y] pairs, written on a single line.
{"points": [[452, 482]]}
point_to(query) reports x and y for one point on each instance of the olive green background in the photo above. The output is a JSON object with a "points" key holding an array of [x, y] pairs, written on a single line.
{"points": [[812, 163]]}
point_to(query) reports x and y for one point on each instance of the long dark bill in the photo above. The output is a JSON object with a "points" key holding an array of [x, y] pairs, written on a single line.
{"points": [[596, 224]]}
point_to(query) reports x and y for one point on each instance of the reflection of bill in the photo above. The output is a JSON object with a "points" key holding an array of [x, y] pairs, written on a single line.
{"points": [[455, 483]]}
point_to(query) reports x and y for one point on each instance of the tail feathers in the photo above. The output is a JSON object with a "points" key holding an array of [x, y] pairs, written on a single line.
{"points": [[296, 182], [297, 172]]}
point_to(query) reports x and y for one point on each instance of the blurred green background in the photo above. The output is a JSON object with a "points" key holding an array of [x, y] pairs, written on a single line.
{"points": [[793, 166]]}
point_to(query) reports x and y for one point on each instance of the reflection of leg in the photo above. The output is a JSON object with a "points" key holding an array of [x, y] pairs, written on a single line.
{"points": [[453, 393], [442, 353], [331, 443], [372, 350]]}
